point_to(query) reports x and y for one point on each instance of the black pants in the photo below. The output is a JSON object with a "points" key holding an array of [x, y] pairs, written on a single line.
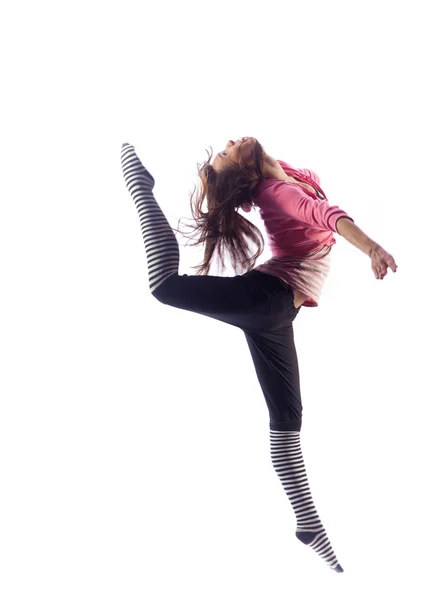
{"points": [[262, 306]]}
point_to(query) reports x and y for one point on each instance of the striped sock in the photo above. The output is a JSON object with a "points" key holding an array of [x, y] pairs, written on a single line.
{"points": [[160, 243], [286, 456]]}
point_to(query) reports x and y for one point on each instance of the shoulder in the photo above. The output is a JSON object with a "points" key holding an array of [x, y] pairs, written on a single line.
{"points": [[269, 186]]}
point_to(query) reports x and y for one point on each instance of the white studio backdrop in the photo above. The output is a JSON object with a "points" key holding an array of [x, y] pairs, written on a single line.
{"points": [[134, 438]]}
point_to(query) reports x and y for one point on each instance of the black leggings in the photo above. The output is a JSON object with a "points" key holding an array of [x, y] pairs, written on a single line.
{"points": [[262, 306]]}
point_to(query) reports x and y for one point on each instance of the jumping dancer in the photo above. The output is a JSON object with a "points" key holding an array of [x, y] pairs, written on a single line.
{"points": [[263, 301]]}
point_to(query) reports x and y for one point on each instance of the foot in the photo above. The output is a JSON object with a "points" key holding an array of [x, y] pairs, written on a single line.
{"points": [[133, 168]]}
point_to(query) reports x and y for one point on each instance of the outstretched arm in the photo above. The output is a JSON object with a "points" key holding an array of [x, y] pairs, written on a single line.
{"points": [[380, 259], [354, 235]]}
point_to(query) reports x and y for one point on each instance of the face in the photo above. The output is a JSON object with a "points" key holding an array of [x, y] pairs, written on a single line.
{"points": [[244, 147]]}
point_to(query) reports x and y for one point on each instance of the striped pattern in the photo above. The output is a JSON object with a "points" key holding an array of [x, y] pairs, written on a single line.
{"points": [[160, 243], [307, 273], [287, 459]]}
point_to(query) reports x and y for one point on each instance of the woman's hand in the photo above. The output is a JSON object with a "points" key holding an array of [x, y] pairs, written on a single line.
{"points": [[381, 260]]}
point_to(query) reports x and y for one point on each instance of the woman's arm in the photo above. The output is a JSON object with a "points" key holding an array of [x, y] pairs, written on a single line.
{"points": [[355, 235], [381, 260]]}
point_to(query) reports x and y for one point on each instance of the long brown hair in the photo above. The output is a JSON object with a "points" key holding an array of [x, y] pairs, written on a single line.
{"points": [[221, 227]]}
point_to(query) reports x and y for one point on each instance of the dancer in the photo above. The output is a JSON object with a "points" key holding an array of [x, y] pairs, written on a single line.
{"points": [[262, 301]]}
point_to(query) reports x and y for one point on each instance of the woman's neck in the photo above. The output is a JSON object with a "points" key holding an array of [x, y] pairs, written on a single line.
{"points": [[273, 170]]}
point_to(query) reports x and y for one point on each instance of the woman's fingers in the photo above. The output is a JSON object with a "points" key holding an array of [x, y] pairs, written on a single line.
{"points": [[390, 262], [381, 262]]}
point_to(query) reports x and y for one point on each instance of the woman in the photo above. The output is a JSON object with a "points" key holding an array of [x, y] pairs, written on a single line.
{"points": [[263, 301]]}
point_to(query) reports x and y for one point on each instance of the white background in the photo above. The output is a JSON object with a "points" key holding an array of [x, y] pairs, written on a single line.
{"points": [[134, 438]]}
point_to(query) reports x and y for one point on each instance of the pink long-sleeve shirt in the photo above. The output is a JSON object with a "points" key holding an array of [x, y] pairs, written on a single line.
{"points": [[300, 226]]}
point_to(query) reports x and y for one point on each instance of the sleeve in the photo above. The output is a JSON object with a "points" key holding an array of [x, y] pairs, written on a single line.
{"points": [[311, 211]]}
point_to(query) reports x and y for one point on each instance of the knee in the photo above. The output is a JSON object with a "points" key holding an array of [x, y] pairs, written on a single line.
{"points": [[293, 426], [165, 290], [160, 294]]}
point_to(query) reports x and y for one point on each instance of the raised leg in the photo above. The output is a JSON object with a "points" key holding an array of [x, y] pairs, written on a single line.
{"points": [[160, 242]]}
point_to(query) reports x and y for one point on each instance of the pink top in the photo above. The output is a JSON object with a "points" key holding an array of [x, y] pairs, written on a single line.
{"points": [[300, 227], [295, 219]]}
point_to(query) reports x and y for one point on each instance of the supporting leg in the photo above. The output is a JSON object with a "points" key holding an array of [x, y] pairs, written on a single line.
{"points": [[287, 459]]}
